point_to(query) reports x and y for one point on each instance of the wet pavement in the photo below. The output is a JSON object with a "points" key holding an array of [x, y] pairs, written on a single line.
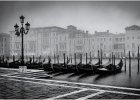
{"points": [[36, 84]]}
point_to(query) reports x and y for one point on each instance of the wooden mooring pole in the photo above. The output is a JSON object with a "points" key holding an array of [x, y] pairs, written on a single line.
{"points": [[129, 64], [64, 59], [101, 56], [138, 59], [112, 57], [54, 58], [58, 59], [71, 58], [124, 61], [13, 58], [90, 57], [114, 62], [81, 58], [75, 58], [86, 58], [33, 59]]}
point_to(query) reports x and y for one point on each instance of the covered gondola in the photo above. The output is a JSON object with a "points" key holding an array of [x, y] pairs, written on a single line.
{"points": [[110, 68]]}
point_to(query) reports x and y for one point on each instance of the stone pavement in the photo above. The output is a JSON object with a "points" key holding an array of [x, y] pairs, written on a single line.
{"points": [[36, 84]]}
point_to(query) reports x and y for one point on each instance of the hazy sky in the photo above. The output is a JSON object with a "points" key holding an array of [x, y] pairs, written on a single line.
{"points": [[85, 15]]}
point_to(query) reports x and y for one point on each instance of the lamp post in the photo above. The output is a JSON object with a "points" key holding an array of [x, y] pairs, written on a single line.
{"points": [[21, 32]]}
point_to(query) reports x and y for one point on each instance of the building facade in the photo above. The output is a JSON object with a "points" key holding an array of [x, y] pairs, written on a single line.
{"points": [[56, 40], [4, 44]]}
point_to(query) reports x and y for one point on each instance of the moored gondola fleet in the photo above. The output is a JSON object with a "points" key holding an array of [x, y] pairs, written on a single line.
{"points": [[99, 67], [68, 65]]}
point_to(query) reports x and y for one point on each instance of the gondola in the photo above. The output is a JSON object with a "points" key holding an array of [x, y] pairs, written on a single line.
{"points": [[89, 67], [35, 65], [48, 66], [110, 68], [14, 64], [62, 67], [4, 62], [73, 67]]}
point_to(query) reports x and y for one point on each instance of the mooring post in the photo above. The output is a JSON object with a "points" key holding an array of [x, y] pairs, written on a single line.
{"points": [[54, 58], [0, 60], [124, 61], [90, 57], [67, 59], [129, 64], [75, 58], [101, 56], [3, 59], [112, 57], [98, 54], [58, 59], [81, 58], [64, 58], [13, 58], [86, 58], [30, 60], [138, 59], [33, 58], [114, 62], [71, 59]]}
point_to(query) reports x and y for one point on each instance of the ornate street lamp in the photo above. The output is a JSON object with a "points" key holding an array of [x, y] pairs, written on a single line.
{"points": [[21, 33]]}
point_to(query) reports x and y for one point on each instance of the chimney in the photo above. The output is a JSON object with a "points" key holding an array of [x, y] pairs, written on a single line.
{"points": [[107, 31]]}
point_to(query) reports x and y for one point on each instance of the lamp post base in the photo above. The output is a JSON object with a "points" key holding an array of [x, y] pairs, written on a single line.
{"points": [[22, 69]]}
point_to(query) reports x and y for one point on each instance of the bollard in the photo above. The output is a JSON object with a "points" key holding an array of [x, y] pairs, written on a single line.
{"points": [[138, 59], [124, 61], [129, 64], [86, 58]]}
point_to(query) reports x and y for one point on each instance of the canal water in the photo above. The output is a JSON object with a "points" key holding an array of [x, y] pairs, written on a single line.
{"points": [[122, 79]]}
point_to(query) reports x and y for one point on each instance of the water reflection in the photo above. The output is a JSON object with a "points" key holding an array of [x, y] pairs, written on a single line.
{"points": [[118, 79]]}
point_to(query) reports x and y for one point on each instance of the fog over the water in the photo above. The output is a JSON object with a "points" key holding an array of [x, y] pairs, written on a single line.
{"points": [[85, 15]]}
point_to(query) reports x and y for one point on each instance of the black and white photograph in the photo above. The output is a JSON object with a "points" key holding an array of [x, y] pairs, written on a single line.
{"points": [[69, 50]]}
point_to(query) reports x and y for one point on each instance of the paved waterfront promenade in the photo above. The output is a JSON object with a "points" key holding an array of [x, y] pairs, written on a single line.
{"points": [[36, 84]]}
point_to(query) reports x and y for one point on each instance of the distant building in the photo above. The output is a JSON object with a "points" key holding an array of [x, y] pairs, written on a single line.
{"points": [[4, 44], [132, 39], [56, 40]]}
